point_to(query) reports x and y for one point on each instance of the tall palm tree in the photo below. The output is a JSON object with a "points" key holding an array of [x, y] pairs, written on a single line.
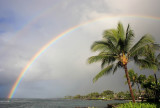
{"points": [[116, 50], [151, 61]]}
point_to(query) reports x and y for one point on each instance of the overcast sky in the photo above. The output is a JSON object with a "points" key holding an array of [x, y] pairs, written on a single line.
{"points": [[62, 70]]}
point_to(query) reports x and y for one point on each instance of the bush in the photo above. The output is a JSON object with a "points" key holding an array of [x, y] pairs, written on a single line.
{"points": [[136, 105]]}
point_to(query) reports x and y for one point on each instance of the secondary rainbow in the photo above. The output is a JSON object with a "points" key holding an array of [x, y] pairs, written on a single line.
{"points": [[61, 35]]}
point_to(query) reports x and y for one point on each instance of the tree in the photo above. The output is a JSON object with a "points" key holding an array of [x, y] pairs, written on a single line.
{"points": [[134, 78], [108, 93], [151, 61], [149, 85], [141, 79], [121, 95], [116, 50], [93, 95]]}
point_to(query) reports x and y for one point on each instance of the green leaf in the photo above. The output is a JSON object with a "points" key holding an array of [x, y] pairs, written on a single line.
{"points": [[106, 70], [95, 58], [111, 34], [156, 46], [139, 47], [121, 33], [118, 65], [129, 38], [99, 46]]}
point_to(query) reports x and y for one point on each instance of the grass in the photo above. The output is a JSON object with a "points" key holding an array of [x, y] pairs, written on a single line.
{"points": [[137, 105]]}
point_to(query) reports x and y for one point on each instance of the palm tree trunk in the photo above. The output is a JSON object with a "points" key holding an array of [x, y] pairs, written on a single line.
{"points": [[156, 91], [155, 78], [129, 84]]}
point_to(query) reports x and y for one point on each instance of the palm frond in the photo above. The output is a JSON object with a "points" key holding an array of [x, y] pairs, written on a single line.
{"points": [[104, 46], [118, 65], [97, 58], [146, 64], [105, 57], [121, 45], [99, 46], [129, 38], [148, 60], [139, 46], [103, 63], [111, 34], [121, 33], [112, 47], [141, 62], [108, 60], [106, 70], [156, 46]]}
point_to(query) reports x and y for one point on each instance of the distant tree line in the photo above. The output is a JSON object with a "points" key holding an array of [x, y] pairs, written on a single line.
{"points": [[146, 89]]}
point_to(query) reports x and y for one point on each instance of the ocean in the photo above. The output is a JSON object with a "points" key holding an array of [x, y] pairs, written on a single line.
{"points": [[55, 103]]}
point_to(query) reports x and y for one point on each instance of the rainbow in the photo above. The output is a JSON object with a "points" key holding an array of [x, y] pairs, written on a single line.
{"points": [[33, 20], [58, 37]]}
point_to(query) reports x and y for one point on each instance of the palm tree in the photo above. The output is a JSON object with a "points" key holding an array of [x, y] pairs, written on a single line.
{"points": [[116, 50], [149, 86], [151, 61], [134, 78]]}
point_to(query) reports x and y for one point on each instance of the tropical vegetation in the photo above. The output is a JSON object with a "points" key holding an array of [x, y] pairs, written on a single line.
{"points": [[149, 85], [146, 90], [116, 50], [136, 105], [151, 61], [105, 95]]}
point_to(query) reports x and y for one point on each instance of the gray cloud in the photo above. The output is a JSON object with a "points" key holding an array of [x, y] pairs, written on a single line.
{"points": [[62, 69]]}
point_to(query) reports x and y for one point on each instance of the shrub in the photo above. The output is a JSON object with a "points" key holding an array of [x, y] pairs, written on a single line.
{"points": [[136, 105]]}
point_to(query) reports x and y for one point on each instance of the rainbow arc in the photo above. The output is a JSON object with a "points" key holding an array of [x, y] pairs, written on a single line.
{"points": [[58, 37]]}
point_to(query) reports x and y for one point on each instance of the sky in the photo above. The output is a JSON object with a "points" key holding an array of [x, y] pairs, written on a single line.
{"points": [[62, 69]]}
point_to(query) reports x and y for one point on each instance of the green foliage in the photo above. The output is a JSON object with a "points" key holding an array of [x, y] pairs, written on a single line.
{"points": [[121, 95], [106, 70], [152, 90], [108, 94], [141, 78], [136, 105], [111, 34], [121, 33], [133, 76], [139, 48], [115, 43], [150, 60], [93, 95]]}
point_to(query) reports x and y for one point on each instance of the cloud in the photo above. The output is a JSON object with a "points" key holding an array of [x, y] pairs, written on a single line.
{"points": [[62, 69], [143, 7]]}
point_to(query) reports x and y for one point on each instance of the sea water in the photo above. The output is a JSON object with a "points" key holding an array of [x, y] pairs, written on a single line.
{"points": [[55, 103]]}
